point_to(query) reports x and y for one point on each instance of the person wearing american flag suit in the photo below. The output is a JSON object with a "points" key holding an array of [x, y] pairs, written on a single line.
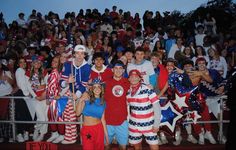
{"points": [[75, 74], [145, 112], [52, 94], [36, 79]]}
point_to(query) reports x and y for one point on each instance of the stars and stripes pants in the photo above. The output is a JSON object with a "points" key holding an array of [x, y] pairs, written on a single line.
{"points": [[70, 116]]}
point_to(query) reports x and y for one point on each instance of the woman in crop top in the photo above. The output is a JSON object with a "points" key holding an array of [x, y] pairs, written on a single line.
{"points": [[94, 125]]}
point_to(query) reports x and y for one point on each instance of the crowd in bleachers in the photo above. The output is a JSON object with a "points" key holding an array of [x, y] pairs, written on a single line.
{"points": [[38, 57]]}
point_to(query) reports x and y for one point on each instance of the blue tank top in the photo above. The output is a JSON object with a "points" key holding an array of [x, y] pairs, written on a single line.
{"points": [[94, 109]]}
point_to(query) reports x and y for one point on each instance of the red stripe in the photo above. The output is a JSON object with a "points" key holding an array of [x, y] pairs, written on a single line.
{"points": [[64, 77], [154, 99], [143, 131], [138, 100], [143, 116]]}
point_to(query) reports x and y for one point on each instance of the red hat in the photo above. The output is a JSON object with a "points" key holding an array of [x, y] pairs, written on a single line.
{"points": [[200, 59], [135, 72]]}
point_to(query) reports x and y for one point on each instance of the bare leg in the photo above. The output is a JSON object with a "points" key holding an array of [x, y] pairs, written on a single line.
{"points": [[154, 147], [138, 146], [122, 147]]}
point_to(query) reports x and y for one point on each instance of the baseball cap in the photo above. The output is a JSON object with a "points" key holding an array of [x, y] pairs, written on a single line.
{"points": [[96, 81], [135, 72], [120, 49], [79, 48], [118, 63]]}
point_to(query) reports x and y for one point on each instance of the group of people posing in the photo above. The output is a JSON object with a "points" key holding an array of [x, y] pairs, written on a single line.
{"points": [[108, 71]]}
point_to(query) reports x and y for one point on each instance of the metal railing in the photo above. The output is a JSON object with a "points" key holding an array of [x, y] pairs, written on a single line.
{"points": [[13, 122]]}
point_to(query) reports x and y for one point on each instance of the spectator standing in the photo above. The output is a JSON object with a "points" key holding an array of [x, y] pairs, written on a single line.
{"points": [[21, 108], [94, 125], [6, 88], [53, 94], [116, 105], [145, 112], [99, 70], [37, 79], [75, 75], [144, 67]]}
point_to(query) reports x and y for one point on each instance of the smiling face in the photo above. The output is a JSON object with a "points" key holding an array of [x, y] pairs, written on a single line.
{"points": [[22, 63], [188, 67], [79, 56], [211, 52], [37, 64], [118, 71], [155, 61], [97, 90], [99, 62], [55, 62], [201, 65], [199, 51], [170, 66], [187, 50], [134, 79], [139, 56], [63, 58], [129, 56]]}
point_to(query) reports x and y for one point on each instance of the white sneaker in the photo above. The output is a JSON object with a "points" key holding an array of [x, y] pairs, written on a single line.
{"points": [[178, 141], [53, 136], [210, 137], [26, 136], [159, 140], [178, 138], [163, 138], [19, 138], [68, 142], [1, 140], [224, 139], [201, 140], [35, 135], [39, 138], [191, 139], [59, 139]]}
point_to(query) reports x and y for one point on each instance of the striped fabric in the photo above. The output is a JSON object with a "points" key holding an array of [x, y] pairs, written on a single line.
{"points": [[142, 115], [53, 84], [70, 129], [53, 90]]}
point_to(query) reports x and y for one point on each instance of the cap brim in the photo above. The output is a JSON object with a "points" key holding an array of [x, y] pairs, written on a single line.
{"points": [[91, 84]]}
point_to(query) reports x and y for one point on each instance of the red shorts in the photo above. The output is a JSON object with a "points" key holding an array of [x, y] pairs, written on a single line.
{"points": [[92, 137]]}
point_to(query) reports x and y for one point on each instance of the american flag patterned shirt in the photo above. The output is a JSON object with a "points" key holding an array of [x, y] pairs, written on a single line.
{"points": [[141, 109]]}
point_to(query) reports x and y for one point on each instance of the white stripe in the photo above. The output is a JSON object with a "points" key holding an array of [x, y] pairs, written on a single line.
{"points": [[140, 104], [150, 134], [135, 133], [140, 128], [142, 112], [138, 96], [141, 120], [153, 142]]}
